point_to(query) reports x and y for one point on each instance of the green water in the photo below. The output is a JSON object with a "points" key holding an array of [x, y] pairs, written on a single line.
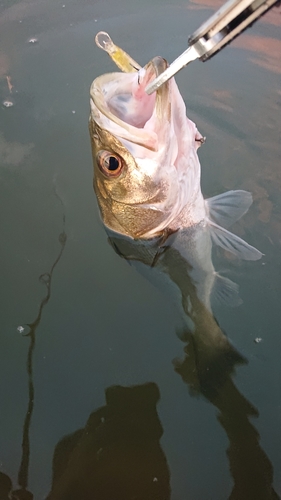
{"points": [[94, 379]]}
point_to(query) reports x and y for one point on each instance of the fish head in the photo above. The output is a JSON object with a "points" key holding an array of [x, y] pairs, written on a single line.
{"points": [[141, 145]]}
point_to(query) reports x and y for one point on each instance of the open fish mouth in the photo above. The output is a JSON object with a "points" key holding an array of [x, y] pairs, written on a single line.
{"points": [[120, 104]]}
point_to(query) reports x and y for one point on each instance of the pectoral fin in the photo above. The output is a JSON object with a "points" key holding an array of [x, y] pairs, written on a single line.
{"points": [[227, 208]]}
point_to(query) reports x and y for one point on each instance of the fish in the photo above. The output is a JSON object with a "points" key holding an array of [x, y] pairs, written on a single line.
{"points": [[147, 182], [147, 174]]}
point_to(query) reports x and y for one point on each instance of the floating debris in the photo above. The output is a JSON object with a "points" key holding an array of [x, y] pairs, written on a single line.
{"points": [[8, 104], [258, 340], [155, 479], [9, 83], [33, 40], [20, 329]]}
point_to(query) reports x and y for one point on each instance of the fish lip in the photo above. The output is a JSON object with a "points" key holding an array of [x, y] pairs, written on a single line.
{"points": [[162, 106], [163, 101], [154, 68], [147, 139]]}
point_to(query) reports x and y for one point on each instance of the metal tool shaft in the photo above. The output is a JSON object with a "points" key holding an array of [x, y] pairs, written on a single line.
{"points": [[218, 31]]}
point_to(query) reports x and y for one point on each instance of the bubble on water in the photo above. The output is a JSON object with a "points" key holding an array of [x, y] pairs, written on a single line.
{"points": [[258, 340], [20, 329], [8, 104]]}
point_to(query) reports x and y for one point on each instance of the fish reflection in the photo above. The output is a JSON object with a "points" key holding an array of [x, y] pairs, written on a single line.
{"points": [[117, 455], [209, 362], [251, 469]]}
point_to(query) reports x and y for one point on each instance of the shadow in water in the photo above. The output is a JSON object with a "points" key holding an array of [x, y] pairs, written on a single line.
{"points": [[251, 469], [117, 454]]}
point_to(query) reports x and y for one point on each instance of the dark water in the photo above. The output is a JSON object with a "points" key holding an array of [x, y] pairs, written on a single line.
{"points": [[90, 398]]}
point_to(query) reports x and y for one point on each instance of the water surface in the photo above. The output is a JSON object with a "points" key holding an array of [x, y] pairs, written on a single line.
{"points": [[101, 338]]}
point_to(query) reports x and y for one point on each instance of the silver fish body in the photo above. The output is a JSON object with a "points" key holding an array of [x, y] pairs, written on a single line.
{"points": [[147, 170]]}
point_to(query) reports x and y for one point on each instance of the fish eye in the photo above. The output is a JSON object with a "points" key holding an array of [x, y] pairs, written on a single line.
{"points": [[109, 163]]}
